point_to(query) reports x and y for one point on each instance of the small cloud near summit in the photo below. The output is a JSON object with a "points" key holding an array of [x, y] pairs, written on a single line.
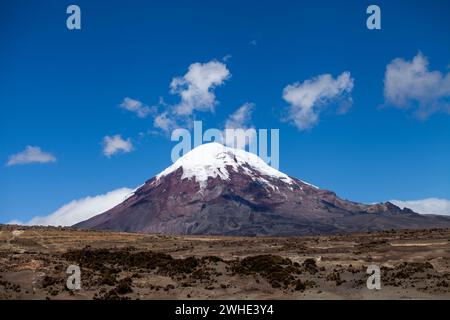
{"points": [[307, 100]]}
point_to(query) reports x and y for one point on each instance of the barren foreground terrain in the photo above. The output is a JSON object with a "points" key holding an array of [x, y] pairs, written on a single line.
{"points": [[33, 264]]}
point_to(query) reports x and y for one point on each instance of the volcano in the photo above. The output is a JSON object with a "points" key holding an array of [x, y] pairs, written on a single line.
{"points": [[217, 190]]}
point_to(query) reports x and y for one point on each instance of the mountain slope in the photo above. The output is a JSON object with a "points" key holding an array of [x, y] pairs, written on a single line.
{"points": [[214, 190]]}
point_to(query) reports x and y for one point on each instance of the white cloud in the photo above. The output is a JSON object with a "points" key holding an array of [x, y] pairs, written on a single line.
{"points": [[196, 92], [426, 206], [241, 118], [244, 133], [196, 87], [412, 84], [30, 155], [137, 107], [309, 98], [81, 209], [164, 122], [115, 144]]}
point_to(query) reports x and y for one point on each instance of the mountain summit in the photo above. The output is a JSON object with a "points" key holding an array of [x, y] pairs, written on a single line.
{"points": [[214, 160], [217, 190]]}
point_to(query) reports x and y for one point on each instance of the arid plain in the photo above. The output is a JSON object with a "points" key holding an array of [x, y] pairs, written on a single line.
{"points": [[34, 260]]}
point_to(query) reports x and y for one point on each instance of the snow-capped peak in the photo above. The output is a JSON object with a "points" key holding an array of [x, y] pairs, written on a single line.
{"points": [[214, 160]]}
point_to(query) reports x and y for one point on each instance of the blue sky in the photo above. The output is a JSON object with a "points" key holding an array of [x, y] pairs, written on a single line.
{"points": [[61, 91]]}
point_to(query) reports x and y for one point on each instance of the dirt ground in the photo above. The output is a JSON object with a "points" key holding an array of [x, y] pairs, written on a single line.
{"points": [[34, 261]]}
